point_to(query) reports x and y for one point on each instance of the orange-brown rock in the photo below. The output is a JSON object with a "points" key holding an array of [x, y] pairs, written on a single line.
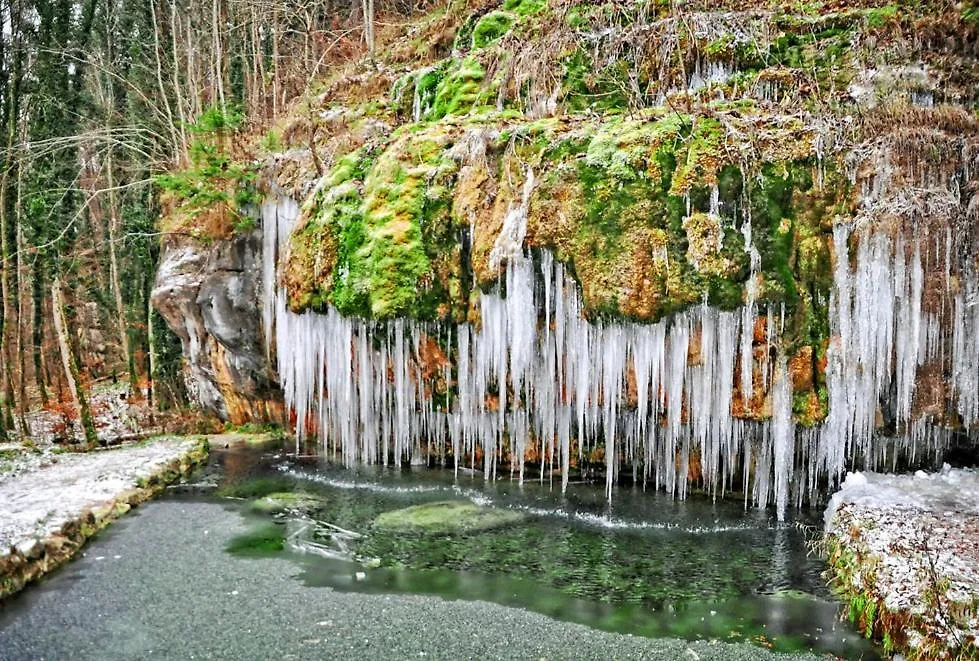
{"points": [[209, 296], [801, 370]]}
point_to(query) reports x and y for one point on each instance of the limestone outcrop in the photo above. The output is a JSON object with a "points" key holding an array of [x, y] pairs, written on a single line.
{"points": [[210, 294]]}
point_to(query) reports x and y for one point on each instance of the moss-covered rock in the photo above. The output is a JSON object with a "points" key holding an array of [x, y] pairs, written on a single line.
{"points": [[460, 90], [255, 487], [648, 212], [446, 518], [286, 501]]}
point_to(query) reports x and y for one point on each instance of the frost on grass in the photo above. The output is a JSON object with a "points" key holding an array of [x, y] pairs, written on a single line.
{"points": [[904, 551]]}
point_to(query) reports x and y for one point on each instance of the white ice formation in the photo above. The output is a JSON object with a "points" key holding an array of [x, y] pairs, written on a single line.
{"points": [[537, 378]]}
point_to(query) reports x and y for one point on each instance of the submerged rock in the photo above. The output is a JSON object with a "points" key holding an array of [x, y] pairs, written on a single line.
{"points": [[447, 517], [264, 539], [286, 501]]}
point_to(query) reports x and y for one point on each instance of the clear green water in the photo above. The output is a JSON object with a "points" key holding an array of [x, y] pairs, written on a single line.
{"points": [[647, 565]]}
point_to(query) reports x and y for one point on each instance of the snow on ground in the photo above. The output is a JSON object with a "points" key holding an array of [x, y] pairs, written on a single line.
{"points": [[918, 540], [39, 498], [116, 414]]}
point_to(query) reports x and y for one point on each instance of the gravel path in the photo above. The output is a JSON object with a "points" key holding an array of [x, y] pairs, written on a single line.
{"points": [[158, 585], [38, 499]]}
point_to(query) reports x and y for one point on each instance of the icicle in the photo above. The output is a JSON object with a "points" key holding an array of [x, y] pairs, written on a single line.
{"points": [[783, 436], [536, 375]]}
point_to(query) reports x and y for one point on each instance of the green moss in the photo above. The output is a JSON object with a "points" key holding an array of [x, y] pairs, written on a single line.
{"points": [[261, 541], [382, 241], [577, 17], [878, 16], [376, 240], [628, 227], [401, 205], [491, 28], [524, 7], [418, 87], [720, 48], [323, 264], [703, 155], [451, 517], [459, 89], [772, 213], [817, 45], [587, 88], [464, 34]]}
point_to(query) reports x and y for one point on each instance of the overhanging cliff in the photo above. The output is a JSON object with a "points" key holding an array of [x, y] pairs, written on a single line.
{"points": [[735, 248]]}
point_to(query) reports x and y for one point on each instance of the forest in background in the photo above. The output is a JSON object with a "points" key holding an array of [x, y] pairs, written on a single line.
{"points": [[99, 101]]}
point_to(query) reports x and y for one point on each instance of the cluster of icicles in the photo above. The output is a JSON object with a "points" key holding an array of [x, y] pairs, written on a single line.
{"points": [[536, 372]]}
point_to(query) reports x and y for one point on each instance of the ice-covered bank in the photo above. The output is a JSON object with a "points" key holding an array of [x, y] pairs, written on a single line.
{"points": [[904, 553], [52, 507]]}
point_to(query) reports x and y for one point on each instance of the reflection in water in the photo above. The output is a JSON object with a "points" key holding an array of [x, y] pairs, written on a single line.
{"points": [[652, 566]]}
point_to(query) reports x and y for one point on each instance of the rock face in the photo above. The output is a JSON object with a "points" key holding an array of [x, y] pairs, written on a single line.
{"points": [[555, 242], [209, 296]]}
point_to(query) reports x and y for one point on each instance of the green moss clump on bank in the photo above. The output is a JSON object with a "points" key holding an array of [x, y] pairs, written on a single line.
{"points": [[460, 90], [525, 7], [491, 28]]}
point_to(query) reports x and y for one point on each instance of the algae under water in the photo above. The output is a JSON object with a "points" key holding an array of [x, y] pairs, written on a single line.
{"points": [[648, 565], [200, 574]]}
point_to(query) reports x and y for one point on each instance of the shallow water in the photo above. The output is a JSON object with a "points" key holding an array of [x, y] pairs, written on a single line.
{"points": [[204, 575], [647, 565]]}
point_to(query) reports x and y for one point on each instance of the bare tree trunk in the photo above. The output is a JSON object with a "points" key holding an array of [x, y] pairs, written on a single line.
{"points": [[260, 70], [22, 327], [218, 66], [275, 60], [151, 342], [21, 304], [6, 315], [193, 81], [177, 84], [114, 221], [37, 331], [368, 9], [70, 363], [159, 80]]}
